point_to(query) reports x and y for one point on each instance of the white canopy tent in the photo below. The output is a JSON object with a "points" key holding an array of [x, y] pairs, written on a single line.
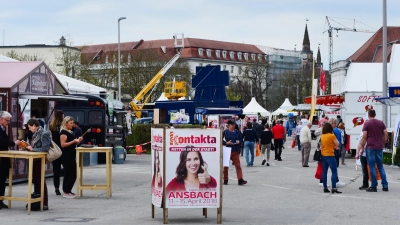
{"points": [[75, 86], [254, 108], [286, 105], [283, 112]]}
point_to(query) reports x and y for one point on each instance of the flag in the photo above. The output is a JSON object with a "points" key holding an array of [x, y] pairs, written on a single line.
{"points": [[322, 80]]}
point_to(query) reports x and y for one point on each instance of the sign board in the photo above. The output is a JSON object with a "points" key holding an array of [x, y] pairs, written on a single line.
{"points": [[214, 119], [194, 168], [157, 145], [39, 83], [394, 92]]}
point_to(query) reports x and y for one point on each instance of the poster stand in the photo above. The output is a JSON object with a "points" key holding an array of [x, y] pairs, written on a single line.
{"points": [[164, 207]]}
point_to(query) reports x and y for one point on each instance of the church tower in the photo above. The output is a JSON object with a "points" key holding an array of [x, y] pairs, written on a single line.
{"points": [[306, 53], [318, 63]]}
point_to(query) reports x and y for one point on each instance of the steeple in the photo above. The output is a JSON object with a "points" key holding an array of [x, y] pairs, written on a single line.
{"points": [[318, 56], [306, 41]]}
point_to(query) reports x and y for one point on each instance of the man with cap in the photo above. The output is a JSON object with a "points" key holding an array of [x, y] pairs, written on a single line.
{"points": [[232, 138]]}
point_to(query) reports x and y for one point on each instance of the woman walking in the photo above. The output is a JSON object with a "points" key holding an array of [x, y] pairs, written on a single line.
{"points": [[265, 142], [68, 144], [342, 143], [54, 128], [328, 145]]}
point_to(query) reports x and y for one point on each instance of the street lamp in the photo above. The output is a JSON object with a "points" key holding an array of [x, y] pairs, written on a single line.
{"points": [[119, 62]]}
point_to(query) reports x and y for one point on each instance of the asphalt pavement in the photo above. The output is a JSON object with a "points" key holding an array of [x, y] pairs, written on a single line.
{"points": [[283, 193]]}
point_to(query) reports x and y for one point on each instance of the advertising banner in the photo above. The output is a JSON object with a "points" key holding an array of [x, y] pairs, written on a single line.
{"points": [[194, 170], [157, 137], [248, 118], [179, 117], [223, 120], [214, 119]]}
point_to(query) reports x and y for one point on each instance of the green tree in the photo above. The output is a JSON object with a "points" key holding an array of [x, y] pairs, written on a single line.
{"points": [[23, 56]]}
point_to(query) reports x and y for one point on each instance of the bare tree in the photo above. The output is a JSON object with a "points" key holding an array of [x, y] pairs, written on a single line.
{"points": [[68, 58], [23, 57], [254, 80]]}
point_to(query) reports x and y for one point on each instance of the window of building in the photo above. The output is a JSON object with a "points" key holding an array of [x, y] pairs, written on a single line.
{"points": [[232, 68], [200, 52], [253, 56], [208, 52], [259, 57], [200, 64], [114, 59], [239, 55], [224, 67], [106, 58], [218, 53], [129, 57], [266, 58], [224, 54], [232, 55], [122, 58], [246, 56]]}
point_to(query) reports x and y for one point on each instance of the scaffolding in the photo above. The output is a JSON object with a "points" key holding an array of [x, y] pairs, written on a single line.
{"points": [[282, 60]]}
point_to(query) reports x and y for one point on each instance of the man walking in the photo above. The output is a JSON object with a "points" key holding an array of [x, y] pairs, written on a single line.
{"points": [[305, 140], [375, 134], [5, 143], [278, 131]]}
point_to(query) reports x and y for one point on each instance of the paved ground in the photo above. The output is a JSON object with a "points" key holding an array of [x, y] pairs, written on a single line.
{"points": [[283, 193]]}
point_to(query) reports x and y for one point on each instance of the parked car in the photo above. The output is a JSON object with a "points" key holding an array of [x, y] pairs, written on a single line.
{"points": [[145, 120]]}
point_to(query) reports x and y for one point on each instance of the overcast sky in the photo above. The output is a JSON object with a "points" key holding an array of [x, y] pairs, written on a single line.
{"points": [[278, 24]]}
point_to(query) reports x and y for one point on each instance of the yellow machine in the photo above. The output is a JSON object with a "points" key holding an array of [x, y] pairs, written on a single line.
{"points": [[156, 80], [175, 89]]}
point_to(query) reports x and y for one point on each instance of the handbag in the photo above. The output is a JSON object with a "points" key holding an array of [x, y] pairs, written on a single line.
{"points": [[272, 147], [317, 155], [54, 152], [318, 172], [258, 151]]}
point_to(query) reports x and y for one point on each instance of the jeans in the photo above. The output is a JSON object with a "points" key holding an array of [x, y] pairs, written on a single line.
{"points": [[364, 164], [342, 151], [374, 156], [249, 146], [329, 161], [337, 154], [298, 142]]}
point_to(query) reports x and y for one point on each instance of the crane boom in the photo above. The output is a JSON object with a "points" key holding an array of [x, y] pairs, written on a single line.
{"points": [[330, 29], [154, 82]]}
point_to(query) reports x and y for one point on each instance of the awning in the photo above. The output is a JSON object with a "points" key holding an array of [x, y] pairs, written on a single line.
{"points": [[52, 97], [217, 111], [388, 101]]}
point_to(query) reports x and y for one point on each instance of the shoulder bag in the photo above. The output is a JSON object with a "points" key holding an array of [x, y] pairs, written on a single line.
{"points": [[317, 153], [54, 151]]}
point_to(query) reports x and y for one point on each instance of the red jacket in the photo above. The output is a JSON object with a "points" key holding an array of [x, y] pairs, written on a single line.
{"points": [[278, 131]]}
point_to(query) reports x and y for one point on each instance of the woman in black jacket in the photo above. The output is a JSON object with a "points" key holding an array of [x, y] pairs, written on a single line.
{"points": [[54, 128]]}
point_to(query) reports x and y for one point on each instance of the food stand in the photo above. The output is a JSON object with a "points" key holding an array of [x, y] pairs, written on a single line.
{"points": [[27, 87]]}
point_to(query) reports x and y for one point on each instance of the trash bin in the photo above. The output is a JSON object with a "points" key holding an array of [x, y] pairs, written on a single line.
{"points": [[90, 158], [118, 155]]}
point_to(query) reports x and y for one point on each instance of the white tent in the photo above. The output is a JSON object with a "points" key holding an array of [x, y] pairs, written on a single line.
{"points": [[283, 112], [75, 86], [286, 105], [254, 108]]}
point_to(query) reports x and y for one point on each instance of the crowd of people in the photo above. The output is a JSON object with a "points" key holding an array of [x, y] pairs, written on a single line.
{"points": [[63, 131]]}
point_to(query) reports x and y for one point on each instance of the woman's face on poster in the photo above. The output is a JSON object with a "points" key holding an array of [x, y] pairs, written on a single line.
{"points": [[192, 162]]}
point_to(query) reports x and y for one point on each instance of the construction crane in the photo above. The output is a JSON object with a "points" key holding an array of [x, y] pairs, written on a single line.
{"points": [[151, 86], [344, 28]]}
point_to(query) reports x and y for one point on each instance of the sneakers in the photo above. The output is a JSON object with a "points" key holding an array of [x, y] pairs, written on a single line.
{"points": [[363, 187], [340, 184], [241, 182], [58, 192], [321, 185], [69, 195], [263, 162], [225, 182], [371, 189], [385, 189], [267, 164]]}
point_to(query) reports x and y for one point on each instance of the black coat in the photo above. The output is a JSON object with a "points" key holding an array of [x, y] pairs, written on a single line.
{"points": [[5, 143]]}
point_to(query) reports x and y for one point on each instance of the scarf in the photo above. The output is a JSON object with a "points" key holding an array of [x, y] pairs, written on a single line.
{"points": [[36, 136]]}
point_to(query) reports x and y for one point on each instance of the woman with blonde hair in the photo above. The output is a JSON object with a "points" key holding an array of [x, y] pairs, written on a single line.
{"points": [[54, 128], [68, 144]]}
